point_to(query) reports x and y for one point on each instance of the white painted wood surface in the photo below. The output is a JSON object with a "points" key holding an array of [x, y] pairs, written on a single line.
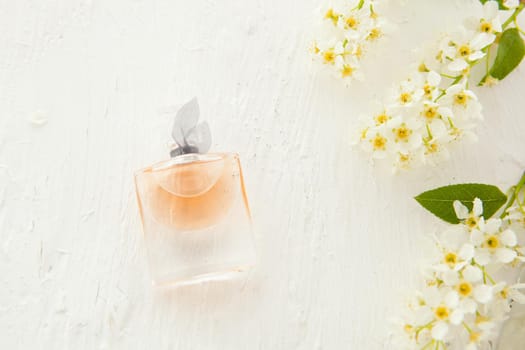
{"points": [[338, 242]]}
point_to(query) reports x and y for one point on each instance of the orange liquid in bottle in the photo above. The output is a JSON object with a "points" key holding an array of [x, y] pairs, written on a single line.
{"points": [[194, 195]]}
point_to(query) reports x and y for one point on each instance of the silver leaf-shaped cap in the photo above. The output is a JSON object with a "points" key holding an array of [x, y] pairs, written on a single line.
{"points": [[190, 136]]}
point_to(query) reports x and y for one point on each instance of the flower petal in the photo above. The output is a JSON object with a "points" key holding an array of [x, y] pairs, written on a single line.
{"points": [[483, 293], [460, 209], [482, 40], [505, 255], [477, 237], [451, 299], [466, 252], [456, 317], [468, 306], [433, 78], [476, 55], [432, 296], [490, 226], [458, 65], [450, 277], [472, 274], [490, 9], [482, 257], [439, 331], [478, 207], [508, 237], [517, 296]]}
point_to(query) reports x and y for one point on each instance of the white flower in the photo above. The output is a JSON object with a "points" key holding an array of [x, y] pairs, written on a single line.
{"points": [[469, 288], [405, 133], [470, 219], [407, 93], [463, 102], [352, 29], [480, 335], [467, 49], [493, 245], [347, 67], [489, 23], [464, 303], [376, 140], [511, 291], [432, 111], [441, 305], [406, 160], [436, 140], [456, 250], [431, 85], [454, 237]]}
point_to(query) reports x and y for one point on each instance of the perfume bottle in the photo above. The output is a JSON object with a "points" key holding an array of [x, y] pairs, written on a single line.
{"points": [[194, 209]]}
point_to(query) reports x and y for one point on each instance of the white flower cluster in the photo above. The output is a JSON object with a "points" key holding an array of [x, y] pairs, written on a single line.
{"points": [[434, 107], [351, 28], [463, 304]]}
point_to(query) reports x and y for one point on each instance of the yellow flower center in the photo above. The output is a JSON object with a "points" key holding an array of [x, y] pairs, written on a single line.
{"points": [[492, 242], [442, 312], [358, 51], [430, 112], [481, 319], [374, 34], [451, 259], [347, 71], [351, 22], [408, 328], [427, 89], [404, 158], [364, 132], [472, 221], [331, 15], [381, 118], [432, 147], [329, 56], [402, 133], [378, 142], [461, 98], [405, 97], [464, 289], [464, 50], [485, 27], [474, 337], [439, 56]]}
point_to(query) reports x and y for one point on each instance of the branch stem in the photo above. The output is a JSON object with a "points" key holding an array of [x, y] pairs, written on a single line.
{"points": [[514, 192], [513, 16]]}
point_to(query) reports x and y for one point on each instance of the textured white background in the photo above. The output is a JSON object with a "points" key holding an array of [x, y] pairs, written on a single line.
{"points": [[338, 241]]}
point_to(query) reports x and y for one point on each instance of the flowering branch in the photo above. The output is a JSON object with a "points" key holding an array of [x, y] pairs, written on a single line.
{"points": [[426, 114], [351, 30], [466, 298]]}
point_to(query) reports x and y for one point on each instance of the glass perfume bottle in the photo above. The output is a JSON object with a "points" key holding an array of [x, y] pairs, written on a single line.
{"points": [[194, 209]]}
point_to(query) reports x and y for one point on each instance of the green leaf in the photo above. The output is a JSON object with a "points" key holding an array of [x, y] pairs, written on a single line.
{"points": [[439, 201], [500, 4], [511, 50]]}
